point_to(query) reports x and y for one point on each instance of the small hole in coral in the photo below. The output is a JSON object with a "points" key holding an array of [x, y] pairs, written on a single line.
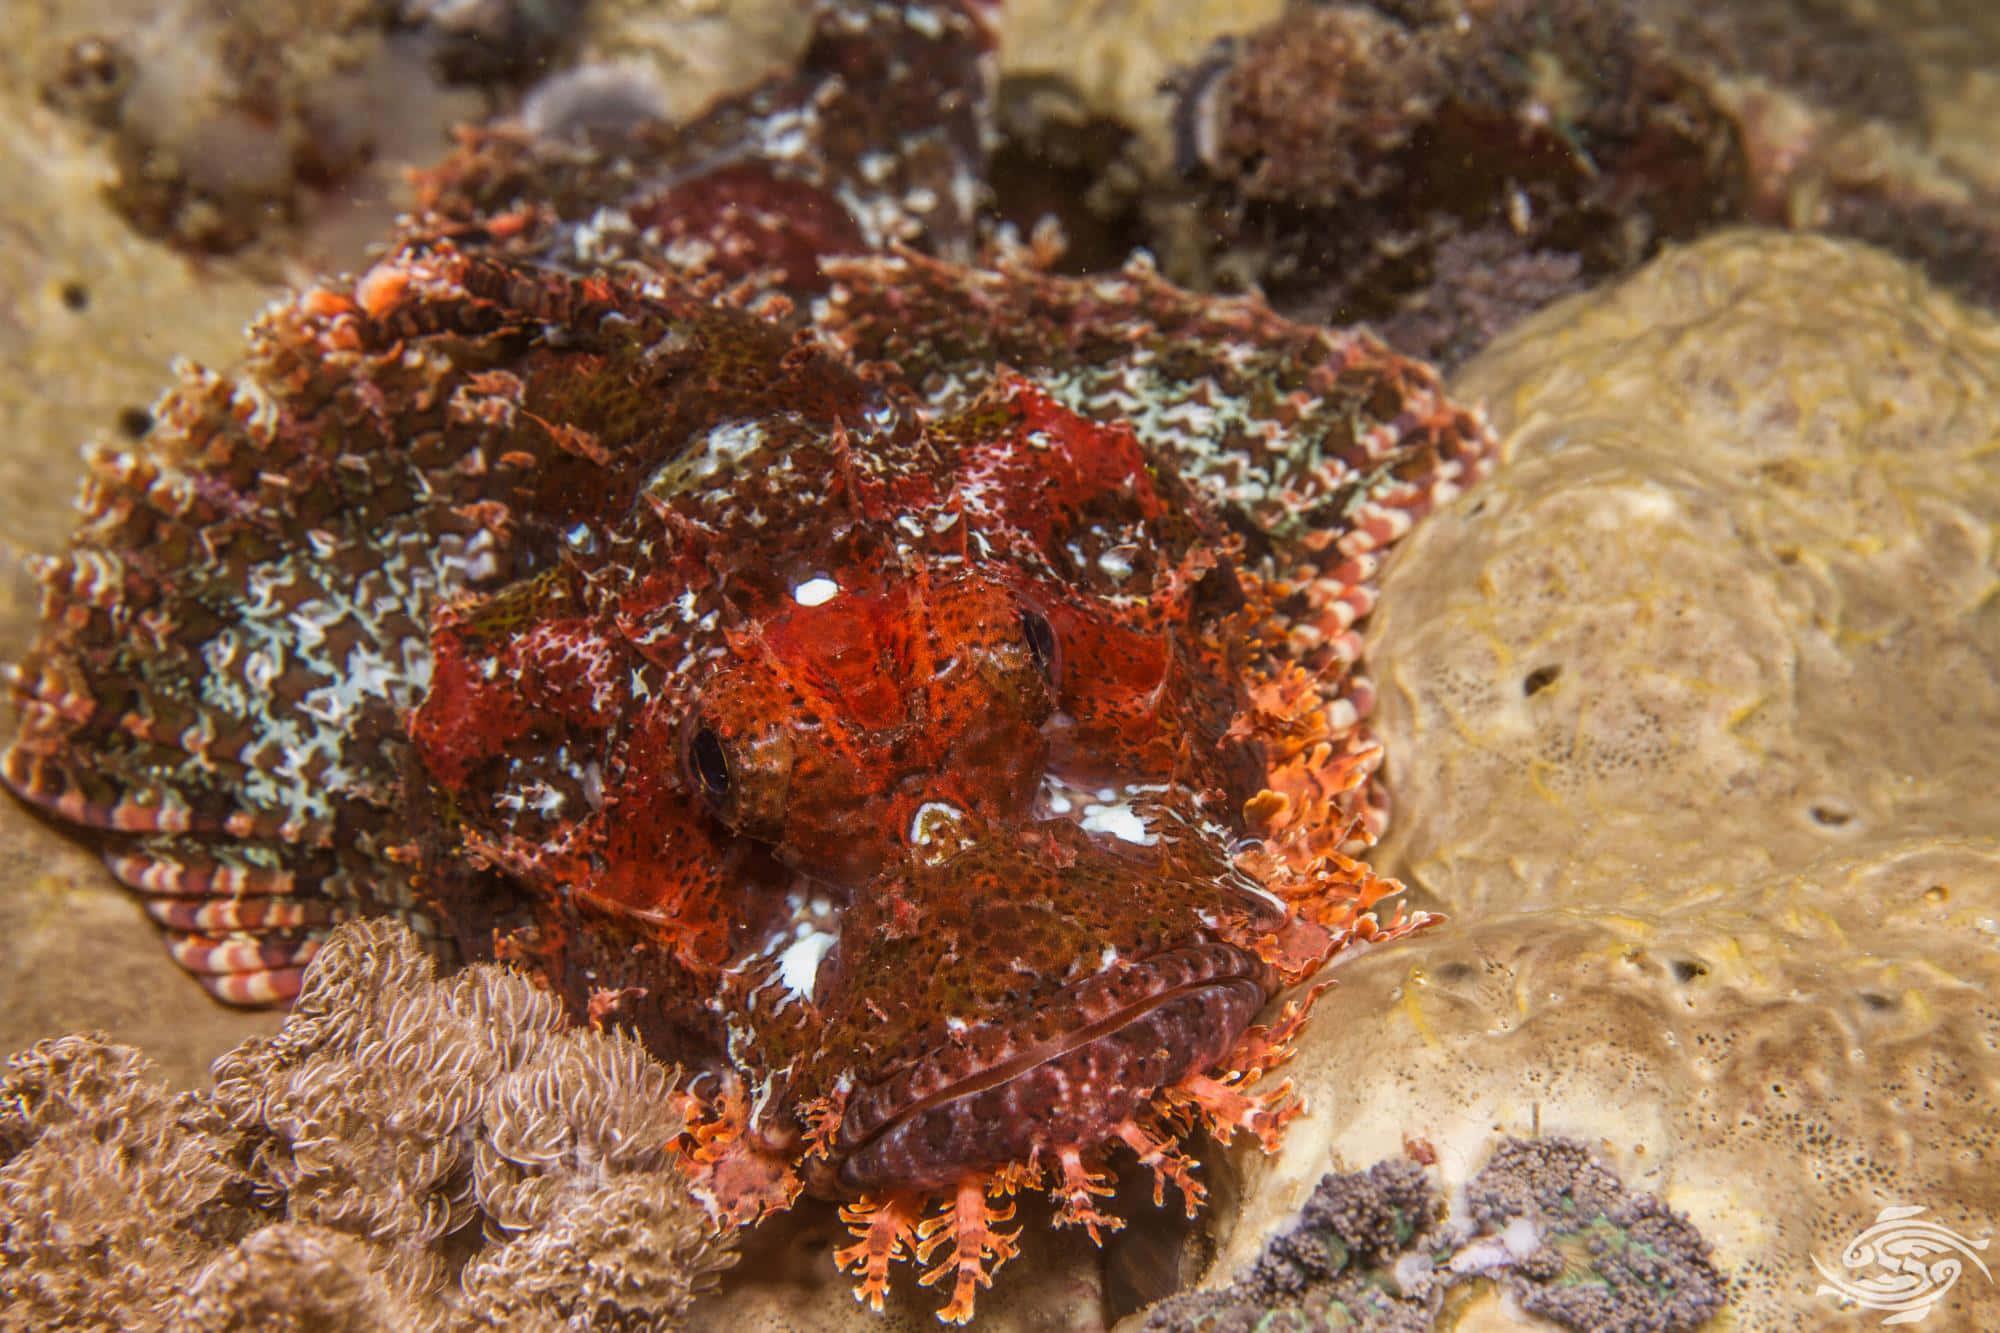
{"points": [[75, 295], [1687, 969], [1937, 894], [1539, 679], [1878, 1003], [135, 421], [1832, 816]]}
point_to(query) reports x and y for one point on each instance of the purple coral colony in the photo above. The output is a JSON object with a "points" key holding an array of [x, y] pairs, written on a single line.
{"points": [[717, 571]]}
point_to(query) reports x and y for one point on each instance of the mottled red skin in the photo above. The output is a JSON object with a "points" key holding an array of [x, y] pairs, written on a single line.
{"points": [[1057, 900], [916, 686], [753, 223]]}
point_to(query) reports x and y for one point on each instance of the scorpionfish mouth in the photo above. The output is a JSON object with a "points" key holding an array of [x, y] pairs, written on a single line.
{"points": [[1069, 1072], [1055, 985]]}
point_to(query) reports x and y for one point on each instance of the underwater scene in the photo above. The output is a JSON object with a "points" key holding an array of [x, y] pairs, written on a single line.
{"points": [[1160, 665]]}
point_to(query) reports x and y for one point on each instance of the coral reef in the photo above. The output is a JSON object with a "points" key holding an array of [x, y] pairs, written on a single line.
{"points": [[1723, 892], [225, 122], [406, 1152], [1371, 1250], [1442, 169], [1690, 715], [1362, 160], [1084, 118], [232, 127]]}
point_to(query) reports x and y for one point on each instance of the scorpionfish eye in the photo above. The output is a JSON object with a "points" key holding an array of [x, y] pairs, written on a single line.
{"points": [[1043, 646], [842, 730]]}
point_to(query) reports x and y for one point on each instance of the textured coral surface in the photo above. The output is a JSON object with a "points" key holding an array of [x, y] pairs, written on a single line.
{"points": [[405, 1153], [1690, 717], [1543, 1218]]}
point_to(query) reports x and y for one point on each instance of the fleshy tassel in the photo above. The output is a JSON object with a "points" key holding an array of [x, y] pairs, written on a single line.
{"points": [[1078, 1192], [967, 1224], [887, 1229], [736, 1180], [1227, 1107], [1159, 1152], [1227, 1102]]}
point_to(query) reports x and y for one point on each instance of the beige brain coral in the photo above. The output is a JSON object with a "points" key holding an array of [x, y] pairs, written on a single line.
{"points": [[407, 1152], [1691, 715]]}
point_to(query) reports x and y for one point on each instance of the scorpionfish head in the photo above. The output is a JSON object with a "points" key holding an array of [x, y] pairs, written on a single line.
{"points": [[859, 726]]}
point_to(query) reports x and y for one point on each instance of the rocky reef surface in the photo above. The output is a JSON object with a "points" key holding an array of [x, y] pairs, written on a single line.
{"points": [[1690, 717], [1440, 168]]}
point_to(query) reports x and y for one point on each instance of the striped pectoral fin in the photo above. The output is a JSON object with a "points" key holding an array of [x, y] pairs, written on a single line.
{"points": [[250, 970], [240, 920], [103, 804]]}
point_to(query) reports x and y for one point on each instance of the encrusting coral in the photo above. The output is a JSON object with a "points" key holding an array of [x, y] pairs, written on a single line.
{"points": [[1440, 168], [407, 1152], [1691, 714], [221, 120], [1373, 1250]]}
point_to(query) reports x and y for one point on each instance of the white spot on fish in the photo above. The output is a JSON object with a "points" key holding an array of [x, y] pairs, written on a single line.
{"points": [[798, 965], [1120, 821], [815, 591]]}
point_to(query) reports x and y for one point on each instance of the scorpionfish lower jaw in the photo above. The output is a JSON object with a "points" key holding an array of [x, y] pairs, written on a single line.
{"points": [[1068, 1072]]}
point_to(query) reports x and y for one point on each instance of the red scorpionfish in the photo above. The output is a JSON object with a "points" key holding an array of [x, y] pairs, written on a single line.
{"points": [[912, 689]]}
